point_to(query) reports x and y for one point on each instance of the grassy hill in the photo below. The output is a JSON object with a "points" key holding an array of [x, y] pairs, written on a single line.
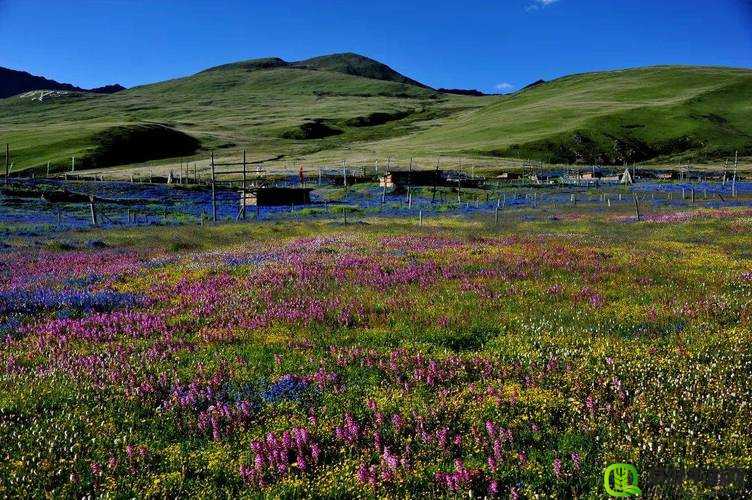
{"points": [[348, 63], [658, 113], [346, 105], [227, 107], [14, 82]]}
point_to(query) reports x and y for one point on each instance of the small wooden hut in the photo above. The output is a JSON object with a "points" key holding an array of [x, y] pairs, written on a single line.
{"points": [[399, 180], [276, 196]]}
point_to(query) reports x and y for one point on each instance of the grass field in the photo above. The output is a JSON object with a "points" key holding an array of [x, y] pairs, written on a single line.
{"points": [[376, 359], [659, 114]]}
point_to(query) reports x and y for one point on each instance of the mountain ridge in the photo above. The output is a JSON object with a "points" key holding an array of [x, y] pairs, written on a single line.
{"points": [[348, 63], [337, 105], [15, 82]]}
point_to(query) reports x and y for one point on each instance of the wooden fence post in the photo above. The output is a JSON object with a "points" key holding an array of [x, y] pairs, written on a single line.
{"points": [[213, 190], [435, 181], [636, 206], [736, 164], [7, 162], [245, 175], [93, 210]]}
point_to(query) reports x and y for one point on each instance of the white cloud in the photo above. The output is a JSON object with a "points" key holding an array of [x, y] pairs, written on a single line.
{"points": [[539, 4], [503, 86]]}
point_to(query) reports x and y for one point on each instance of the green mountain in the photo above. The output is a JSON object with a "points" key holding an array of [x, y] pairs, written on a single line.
{"points": [[348, 64], [345, 105], [665, 113], [14, 82], [357, 65]]}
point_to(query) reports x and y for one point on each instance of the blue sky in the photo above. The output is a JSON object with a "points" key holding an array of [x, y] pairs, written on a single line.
{"points": [[488, 45]]}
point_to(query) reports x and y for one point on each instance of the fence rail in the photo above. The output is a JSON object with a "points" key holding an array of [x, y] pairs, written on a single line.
{"points": [[216, 194]]}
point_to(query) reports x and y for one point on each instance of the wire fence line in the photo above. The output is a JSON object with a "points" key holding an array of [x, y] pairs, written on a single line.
{"points": [[222, 190], [144, 204]]}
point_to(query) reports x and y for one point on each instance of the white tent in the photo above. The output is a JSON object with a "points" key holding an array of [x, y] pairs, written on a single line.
{"points": [[626, 177]]}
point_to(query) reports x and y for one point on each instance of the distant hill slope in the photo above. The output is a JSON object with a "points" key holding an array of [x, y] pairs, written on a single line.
{"points": [[472, 92], [320, 109], [357, 65], [665, 113], [225, 107], [13, 82], [347, 63], [108, 89]]}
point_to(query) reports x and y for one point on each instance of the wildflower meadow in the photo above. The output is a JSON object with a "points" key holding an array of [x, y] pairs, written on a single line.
{"points": [[377, 360]]}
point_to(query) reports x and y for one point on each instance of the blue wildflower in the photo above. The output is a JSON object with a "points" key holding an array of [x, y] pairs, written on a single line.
{"points": [[31, 301], [288, 387], [244, 260], [83, 281], [9, 327]]}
